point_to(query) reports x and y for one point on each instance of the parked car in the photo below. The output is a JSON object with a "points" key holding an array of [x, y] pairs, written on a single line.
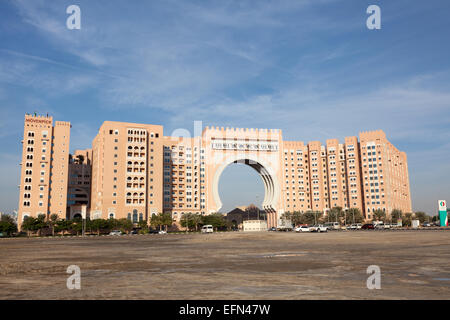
{"points": [[332, 225], [304, 228], [273, 229], [379, 226], [368, 226], [153, 231], [162, 232], [207, 229], [133, 232], [115, 233], [318, 228], [426, 224]]}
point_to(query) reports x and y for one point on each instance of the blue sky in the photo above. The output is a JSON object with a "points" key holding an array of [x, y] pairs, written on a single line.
{"points": [[308, 67]]}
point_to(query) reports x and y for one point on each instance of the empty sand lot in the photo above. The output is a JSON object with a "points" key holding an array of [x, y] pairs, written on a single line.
{"points": [[267, 265]]}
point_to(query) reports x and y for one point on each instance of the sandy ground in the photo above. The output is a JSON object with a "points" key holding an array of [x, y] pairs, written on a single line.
{"points": [[267, 265]]}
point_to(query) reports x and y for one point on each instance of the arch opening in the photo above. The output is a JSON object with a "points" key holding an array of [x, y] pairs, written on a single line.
{"points": [[271, 184]]}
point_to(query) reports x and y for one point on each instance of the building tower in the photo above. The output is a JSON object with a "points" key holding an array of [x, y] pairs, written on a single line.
{"points": [[44, 167]]}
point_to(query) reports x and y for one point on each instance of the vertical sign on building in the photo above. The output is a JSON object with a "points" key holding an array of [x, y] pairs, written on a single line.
{"points": [[443, 213]]}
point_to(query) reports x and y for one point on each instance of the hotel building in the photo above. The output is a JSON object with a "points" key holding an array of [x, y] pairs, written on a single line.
{"points": [[44, 167], [134, 171]]}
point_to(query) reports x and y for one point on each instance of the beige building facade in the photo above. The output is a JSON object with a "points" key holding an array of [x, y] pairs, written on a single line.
{"points": [[44, 167], [134, 170]]}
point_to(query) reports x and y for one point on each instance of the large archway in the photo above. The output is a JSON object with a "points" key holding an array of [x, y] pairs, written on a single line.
{"points": [[269, 178], [240, 186], [257, 148]]}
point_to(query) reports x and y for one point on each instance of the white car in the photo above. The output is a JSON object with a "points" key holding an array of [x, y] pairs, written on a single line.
{"points": [[162, 232], [354, 226], [302, 229], [207, 229], [115, 233], [332, 225], [318, 228]]}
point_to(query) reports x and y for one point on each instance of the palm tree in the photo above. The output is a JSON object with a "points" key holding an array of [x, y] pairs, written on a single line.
{"points": [[379, 215], [356, 215], [196, 219], [396, 214], [53, 220]]}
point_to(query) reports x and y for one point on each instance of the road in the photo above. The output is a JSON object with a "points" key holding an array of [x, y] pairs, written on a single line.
{"points": [[266, 265]]}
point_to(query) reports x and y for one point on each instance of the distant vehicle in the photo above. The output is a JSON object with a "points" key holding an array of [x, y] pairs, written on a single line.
{"points": [[162, 232], [207, 229], [153, 231], [387, 226], [133, 232], [2, 235], [115, 233], [302, 229], [273, 229], [426, 224], [318, 228], [368, 226], [332, 225], [354, 226]]}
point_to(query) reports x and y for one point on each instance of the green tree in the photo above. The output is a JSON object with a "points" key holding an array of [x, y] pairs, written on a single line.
{"points": [[162, 219], [335, 215], [312, 217], [296, 217], [125, 225], [156, 221], [196, 220], [217, 220], [379, 215], [99, 225], [354, 215], [7, 225], [396, 214], [187, 221], [143, 226], [166, 220], [63, 225], [41, 223], [76, 225], [407, 219], [29, 224], [52, 222], [421, 216]]}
